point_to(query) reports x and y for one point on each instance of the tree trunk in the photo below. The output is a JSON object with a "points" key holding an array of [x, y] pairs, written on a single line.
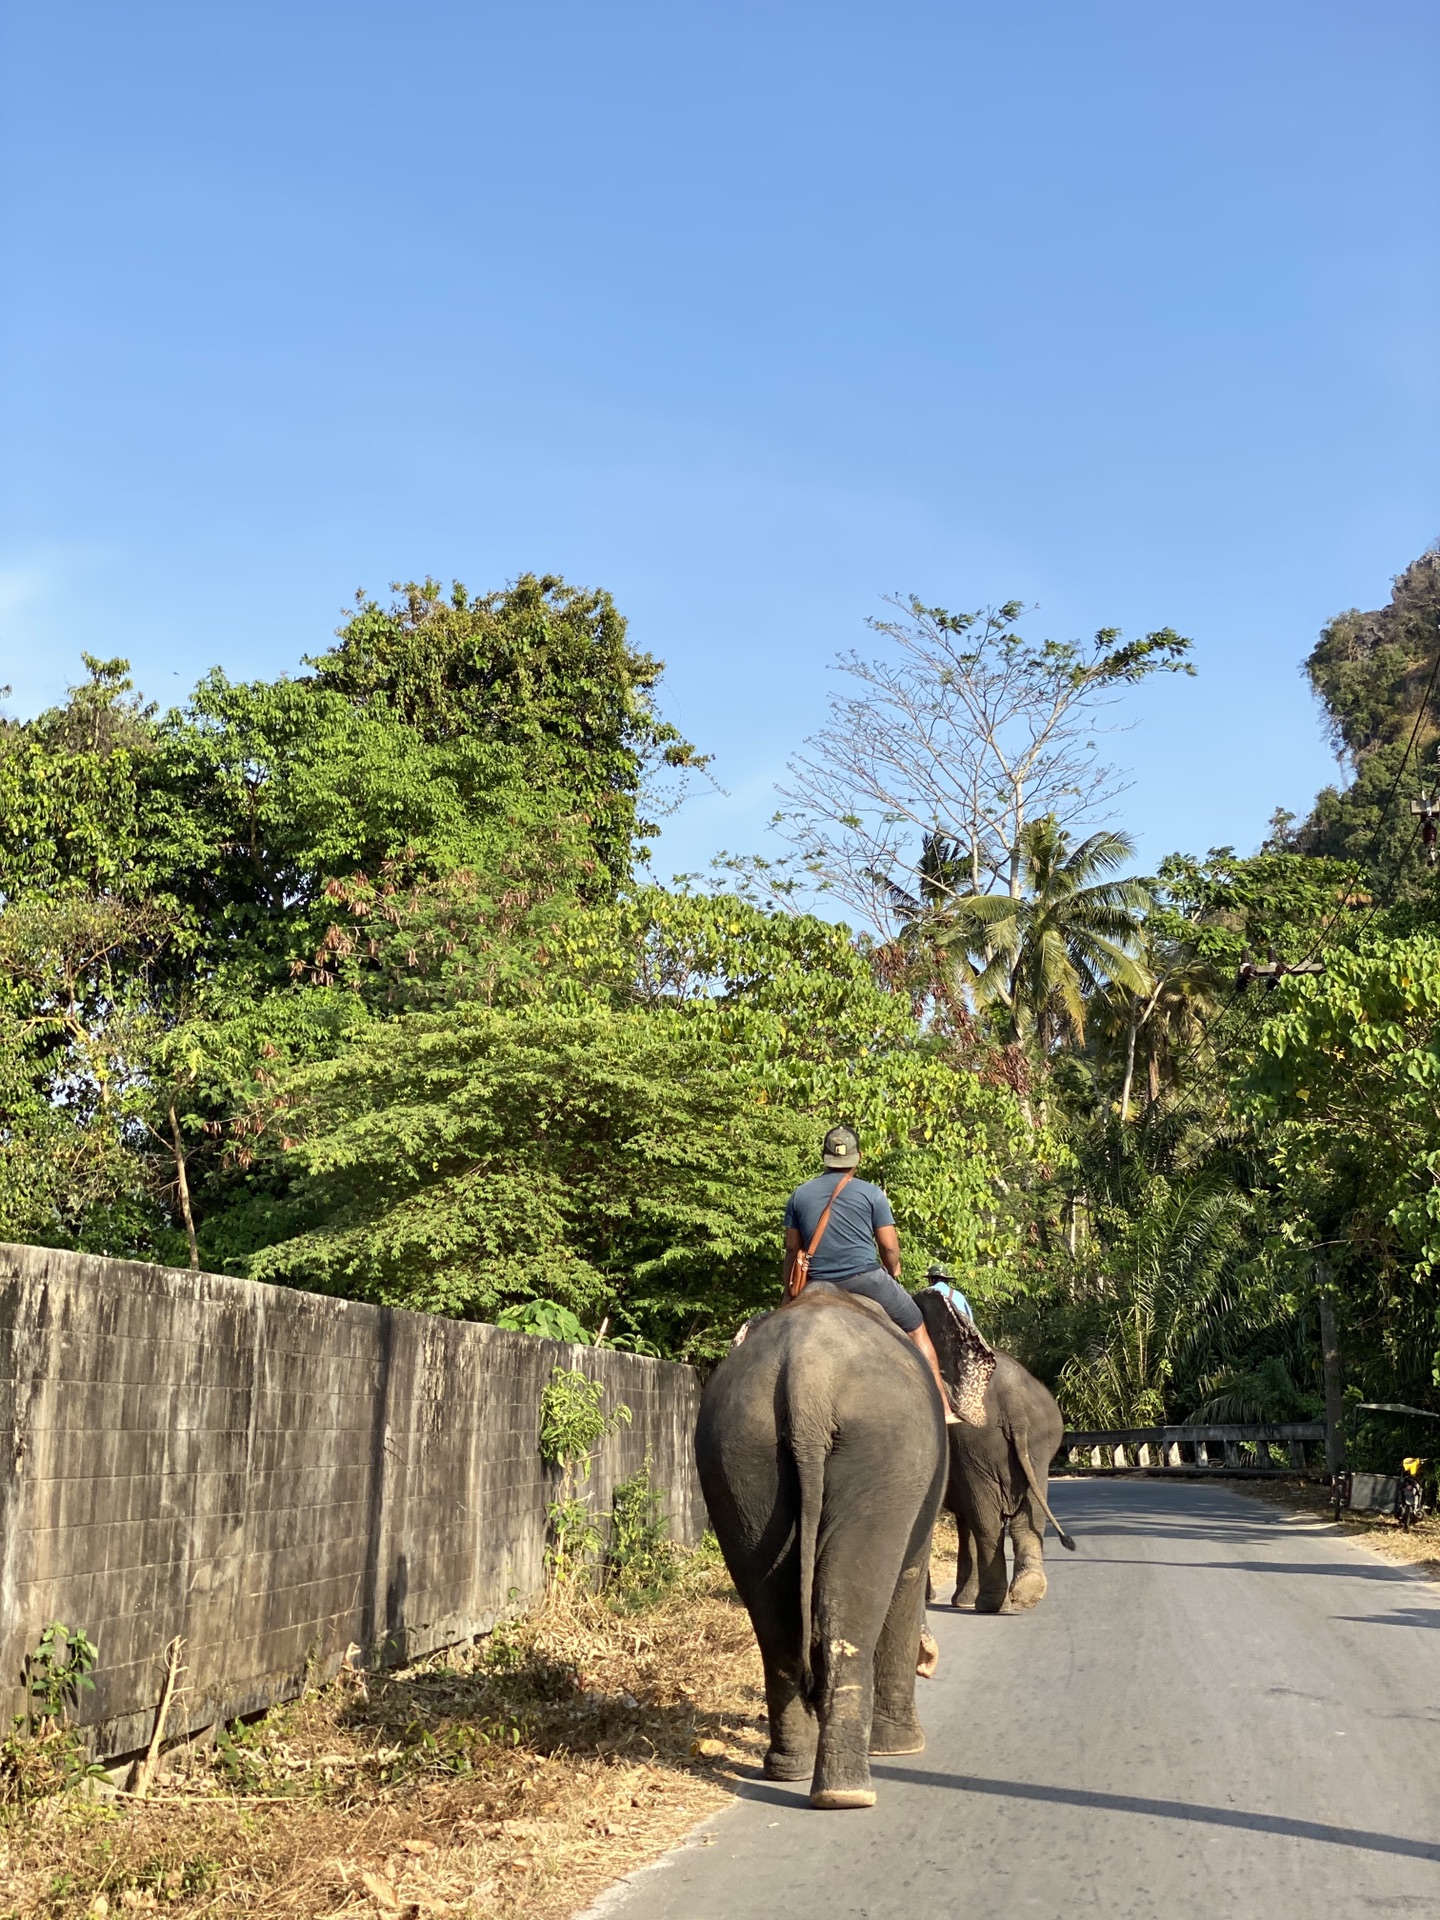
{"points": [[1129, 1079], [1152, 1072], [1330, 1357], [182, 1187]]}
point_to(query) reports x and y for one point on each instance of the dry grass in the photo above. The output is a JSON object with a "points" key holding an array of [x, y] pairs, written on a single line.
{"points": [[521, 1774], [1419, 1548]]}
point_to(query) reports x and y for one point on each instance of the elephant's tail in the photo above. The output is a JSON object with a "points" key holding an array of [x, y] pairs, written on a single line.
{"points": [[810, 1467], [1022, 1448]]}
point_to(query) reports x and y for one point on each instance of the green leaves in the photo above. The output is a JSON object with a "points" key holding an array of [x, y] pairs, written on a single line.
{"points": [[1346, 1083], [1044, 951], [624, 1147]]}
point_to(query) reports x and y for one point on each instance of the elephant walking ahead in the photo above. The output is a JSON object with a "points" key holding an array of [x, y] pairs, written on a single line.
{"points": [[1000, 1458], [821, 1449]]}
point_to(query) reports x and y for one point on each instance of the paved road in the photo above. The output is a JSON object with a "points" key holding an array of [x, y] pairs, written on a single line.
{"points": [[1220, 1711]]}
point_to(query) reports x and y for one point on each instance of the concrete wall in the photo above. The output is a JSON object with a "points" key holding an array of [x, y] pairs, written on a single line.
{"points": [[275, 1475]]}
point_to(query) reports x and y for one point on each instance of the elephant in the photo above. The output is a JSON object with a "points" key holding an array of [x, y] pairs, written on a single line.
{"points": [[821, 1452], [1000, 1454]]}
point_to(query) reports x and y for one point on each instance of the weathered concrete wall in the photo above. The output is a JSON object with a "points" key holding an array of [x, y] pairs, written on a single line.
{"points": [[275, 1475]]}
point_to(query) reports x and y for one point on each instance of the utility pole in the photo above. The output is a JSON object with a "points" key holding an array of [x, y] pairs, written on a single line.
{"points": [[1427, 810], [1272, 971], [1330, 1360]]}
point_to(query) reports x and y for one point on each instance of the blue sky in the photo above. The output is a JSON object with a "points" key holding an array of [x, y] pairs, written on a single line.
{"points": [[751, 313]]}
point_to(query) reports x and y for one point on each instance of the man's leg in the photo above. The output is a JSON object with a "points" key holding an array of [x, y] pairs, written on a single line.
{"points": [[922, 1340], [888, 1293]]}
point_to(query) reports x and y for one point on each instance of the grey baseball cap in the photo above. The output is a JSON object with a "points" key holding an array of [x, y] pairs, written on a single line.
{"points": [[841, 1148]]}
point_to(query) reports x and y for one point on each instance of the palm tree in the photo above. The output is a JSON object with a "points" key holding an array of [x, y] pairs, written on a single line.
{"points": [[1069, 933], [1173, 1311], [1164, 1024]]}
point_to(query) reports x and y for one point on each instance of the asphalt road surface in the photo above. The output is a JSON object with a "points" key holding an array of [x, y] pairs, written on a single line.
{"points": [[1219, 1710]]}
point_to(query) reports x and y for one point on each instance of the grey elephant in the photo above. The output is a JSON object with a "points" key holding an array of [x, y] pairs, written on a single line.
{"points": [[1000, 1454], [821, 1450]]}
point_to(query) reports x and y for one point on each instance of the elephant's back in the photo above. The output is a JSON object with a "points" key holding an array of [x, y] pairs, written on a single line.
{"points": [[824, 1375]]}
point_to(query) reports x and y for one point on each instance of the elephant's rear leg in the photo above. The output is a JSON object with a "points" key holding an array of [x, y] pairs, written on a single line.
{"points": [[894, 1724], [775, 1616], [1027, 1535], [870, 1595], [967, 1576], [988, 1548]]}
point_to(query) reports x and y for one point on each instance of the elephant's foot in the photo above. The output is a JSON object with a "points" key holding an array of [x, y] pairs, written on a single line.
{"points": [[780, 1765], [896, 1736], [929, 1656], [963, 1599], [992, 1602], [1027, 1590], [842, 1769], [829, 1797]]}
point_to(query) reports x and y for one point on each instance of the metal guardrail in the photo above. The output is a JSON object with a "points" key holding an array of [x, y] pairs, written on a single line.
{"points": [[1243, 1451]]}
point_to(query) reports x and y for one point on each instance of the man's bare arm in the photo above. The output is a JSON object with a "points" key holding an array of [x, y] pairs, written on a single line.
{"points": [[888, 1242], [792, 1247]]}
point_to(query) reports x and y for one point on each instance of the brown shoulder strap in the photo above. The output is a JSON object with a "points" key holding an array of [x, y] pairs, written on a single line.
{"points": [[800, 1272]]}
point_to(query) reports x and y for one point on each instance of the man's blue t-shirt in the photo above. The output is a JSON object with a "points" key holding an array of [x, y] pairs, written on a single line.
{"points": [[849, 1244]]}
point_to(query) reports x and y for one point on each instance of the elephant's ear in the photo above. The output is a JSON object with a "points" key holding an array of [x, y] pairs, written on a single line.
{"points": [[967, 1360], [974, 1374]]}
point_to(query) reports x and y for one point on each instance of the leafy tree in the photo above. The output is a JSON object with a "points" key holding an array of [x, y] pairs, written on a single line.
{"points": [[929, 771], [1344, 1083], [456, 773], [1041, 951], [1168, 1312], [1369, 669], [541, 671], [1373, 674], [1164, 1024], [623, 1148]]}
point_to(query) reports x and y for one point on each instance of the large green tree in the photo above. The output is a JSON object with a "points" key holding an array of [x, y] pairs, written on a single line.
{"points": [[622, 1142], [487, 758]]}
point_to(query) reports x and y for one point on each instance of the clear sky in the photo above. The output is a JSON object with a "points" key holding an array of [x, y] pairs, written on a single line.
{"points": [[752, 314]]}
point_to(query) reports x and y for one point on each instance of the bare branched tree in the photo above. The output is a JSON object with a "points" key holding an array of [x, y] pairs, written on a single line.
{"points": [[917, 791]]}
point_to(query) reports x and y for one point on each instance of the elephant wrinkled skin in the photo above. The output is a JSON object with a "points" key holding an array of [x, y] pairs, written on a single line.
{"points": [[1008, 1422], [821, 1450]]}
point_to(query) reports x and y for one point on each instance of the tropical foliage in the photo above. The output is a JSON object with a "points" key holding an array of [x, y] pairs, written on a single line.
{"points": [[357, 981]]}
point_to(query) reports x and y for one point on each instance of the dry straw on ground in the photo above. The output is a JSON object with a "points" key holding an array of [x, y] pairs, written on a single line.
{"points": [[522, 1774]]}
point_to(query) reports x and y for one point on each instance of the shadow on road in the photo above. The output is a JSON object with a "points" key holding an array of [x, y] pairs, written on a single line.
{"points": [[1406, 1617], [1391, 1574], [1170, 1810]]}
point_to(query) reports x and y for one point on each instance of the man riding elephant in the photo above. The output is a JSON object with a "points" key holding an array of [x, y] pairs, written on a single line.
{"points": [[835, 1226]]}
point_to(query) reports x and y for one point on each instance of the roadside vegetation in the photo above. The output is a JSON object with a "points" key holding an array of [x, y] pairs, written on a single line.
{"points": [[362, 981], [518, 1774]]}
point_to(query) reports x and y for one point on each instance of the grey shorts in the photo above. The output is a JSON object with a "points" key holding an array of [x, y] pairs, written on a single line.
{"points": [[875, 1284]]}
